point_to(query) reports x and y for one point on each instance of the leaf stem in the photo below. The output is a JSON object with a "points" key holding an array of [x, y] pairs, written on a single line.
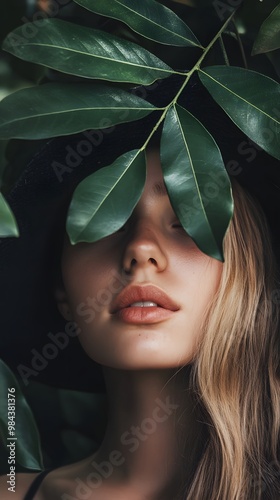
{"points": [[240, 45], [188, 75], [200, 60], [223, 49]]}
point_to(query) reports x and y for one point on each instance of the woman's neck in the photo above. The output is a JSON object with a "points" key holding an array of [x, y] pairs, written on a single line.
{"points": [[153, 437]]}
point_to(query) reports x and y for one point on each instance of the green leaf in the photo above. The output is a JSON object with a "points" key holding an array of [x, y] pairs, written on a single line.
{"points": [[97, 208], [269, 35], [27, 444], [8, 224], [146, 17], [251, 101], [196, 180], [85, 52], [55, 109]]}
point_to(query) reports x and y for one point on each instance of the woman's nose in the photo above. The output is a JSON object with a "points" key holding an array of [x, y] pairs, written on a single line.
{"points": [[144, 250]]}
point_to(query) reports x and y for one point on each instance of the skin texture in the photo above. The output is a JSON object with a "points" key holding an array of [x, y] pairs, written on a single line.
{"points": [[144, 365], [152, 248], [154, 436]]}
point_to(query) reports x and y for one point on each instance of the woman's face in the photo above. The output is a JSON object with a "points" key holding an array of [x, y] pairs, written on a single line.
{"points": [[152, 264]]}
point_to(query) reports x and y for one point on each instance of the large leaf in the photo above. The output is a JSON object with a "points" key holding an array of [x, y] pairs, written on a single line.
{"points": [[55, 109], [8, 225], [250, 99], [269, 35], [196, 180], [25, 435], [85, 52], [147, 17], [98, 207]]}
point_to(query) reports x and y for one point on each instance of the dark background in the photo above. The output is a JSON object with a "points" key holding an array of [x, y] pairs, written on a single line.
{"points": [[70, 420]]}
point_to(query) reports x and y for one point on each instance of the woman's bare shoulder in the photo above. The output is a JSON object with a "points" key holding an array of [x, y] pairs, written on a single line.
{"points": [[17, 489]]}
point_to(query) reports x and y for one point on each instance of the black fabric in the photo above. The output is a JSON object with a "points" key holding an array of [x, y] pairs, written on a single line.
{"points": [[36, 484]]}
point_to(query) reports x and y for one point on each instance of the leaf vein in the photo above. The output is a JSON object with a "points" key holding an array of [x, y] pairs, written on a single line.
{"points": [[192, 167], [100, 57], [109, 192], [241, 98], [157, 24]]}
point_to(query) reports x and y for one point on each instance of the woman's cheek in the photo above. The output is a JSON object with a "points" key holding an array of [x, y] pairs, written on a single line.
{"points": [[91, 296], [84, 314]]}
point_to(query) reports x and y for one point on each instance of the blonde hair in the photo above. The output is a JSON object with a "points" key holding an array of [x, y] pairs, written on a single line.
{"points": [[236, 371]]}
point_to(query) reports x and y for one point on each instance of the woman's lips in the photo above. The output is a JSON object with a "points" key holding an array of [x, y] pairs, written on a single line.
{"points": [[155, 306], [142, 315]]}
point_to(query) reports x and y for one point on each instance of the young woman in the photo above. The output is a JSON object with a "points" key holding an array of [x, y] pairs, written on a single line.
{"points": [[189, 348]]}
